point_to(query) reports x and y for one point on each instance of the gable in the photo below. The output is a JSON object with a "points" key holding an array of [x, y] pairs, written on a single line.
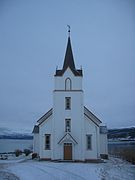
{"points": [[68, 73], [76, 72], [67, 138], [35, 129], [41, 121], [60, 82], [91, 116], [45, 117]]}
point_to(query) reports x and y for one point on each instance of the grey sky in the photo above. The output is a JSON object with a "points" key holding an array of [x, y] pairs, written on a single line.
{"points": [[33, 38]]}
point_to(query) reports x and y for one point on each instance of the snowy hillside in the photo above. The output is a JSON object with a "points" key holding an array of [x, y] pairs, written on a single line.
{"points": [[122, 133], [6, 133]]}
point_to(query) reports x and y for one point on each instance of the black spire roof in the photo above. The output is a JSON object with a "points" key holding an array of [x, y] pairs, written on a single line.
{"points": [[69, 62]]}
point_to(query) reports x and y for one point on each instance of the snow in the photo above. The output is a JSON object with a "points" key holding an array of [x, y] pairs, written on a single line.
{"points": [[27, 169], [13, 159], [7, 131]]}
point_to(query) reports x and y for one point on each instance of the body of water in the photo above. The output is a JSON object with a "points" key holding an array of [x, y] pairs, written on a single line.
{"points": [[114, 146], [10, 145]]}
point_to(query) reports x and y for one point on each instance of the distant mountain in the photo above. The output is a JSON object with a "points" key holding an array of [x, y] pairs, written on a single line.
{"points": [[122, 133], [6, 133]]}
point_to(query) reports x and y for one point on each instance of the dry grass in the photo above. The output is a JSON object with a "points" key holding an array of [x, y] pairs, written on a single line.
{"points": [[127, 154]]}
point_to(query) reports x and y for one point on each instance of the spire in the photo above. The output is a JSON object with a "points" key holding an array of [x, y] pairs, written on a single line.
{"points": [[69, 60]]}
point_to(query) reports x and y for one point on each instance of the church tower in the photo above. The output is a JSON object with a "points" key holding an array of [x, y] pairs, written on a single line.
{"points": [[68, 110]]}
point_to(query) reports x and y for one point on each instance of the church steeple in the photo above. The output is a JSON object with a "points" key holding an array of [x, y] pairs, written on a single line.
{"points": [[69, 60]]}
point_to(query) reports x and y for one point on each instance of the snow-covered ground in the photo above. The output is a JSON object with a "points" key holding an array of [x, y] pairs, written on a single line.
{"points": [[27, 169]]}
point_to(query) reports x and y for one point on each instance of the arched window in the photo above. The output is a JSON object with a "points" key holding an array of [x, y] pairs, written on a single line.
{"points": [[68, 84]]}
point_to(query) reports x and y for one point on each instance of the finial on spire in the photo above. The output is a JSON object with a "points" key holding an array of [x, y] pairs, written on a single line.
{"points": [[68, 30]]}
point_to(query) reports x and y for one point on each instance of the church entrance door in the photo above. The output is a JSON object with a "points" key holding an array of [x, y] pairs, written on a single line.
{"points": [[67, 151]]}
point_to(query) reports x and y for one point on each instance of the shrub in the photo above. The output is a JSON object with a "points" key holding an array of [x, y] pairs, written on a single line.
{"points": [[18, 152], [104, 156], [27, 152], [34, 155]]}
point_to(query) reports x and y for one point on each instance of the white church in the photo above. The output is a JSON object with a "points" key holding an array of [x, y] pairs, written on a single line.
{"points": [[69, 131]]}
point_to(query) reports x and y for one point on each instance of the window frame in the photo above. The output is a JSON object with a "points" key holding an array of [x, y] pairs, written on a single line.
{"points": [[89, 141], [69, 124], [68, 84], [67, 103], [47, 144]]}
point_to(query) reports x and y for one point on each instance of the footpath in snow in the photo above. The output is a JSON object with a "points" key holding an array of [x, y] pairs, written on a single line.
{"points": [[26, 169]]}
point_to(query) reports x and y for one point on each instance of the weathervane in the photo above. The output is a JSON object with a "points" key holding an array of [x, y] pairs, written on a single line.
{"points": [[68, 30]]}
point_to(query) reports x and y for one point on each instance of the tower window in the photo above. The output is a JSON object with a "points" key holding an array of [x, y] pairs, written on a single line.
{"points": [[67, 102], [67, 125], [68, 84], [47, 141], [89, 141]]}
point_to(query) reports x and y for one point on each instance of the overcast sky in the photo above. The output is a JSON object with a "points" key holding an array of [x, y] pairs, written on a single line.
{"points": [[33, 39]]}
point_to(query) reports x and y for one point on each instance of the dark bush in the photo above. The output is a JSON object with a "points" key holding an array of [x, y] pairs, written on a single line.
{"points": [[27, 152], [104, 156], [34, 155], [18, 152]]}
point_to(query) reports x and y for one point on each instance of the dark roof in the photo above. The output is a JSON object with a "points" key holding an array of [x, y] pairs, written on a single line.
{"points": [[45, 116], [35, 129], [69, 59], [69, 62], [91, 116]]}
